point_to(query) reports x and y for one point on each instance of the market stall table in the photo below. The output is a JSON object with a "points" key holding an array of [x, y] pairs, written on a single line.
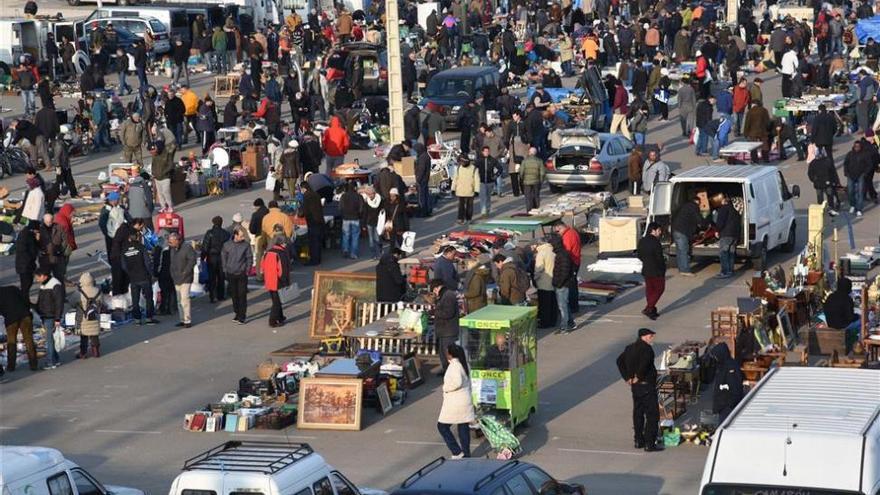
{"points": [[376, 336], [523, 224], [739, 151]]}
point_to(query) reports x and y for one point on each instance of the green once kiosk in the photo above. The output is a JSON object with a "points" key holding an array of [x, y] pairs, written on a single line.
{"points": [[502, 346]]}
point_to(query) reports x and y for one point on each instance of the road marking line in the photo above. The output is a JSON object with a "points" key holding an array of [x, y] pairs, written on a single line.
{"points": [[388, 431], [135, 432], [8, 427], [44, 392], [614, 452], [273, 435], [413, 442]]}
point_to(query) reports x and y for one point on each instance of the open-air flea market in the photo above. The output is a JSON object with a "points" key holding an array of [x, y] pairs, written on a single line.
{"points": [[406, 247]]}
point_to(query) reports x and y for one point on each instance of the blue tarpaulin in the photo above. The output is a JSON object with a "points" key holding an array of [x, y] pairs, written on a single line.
{"points": [[556, 94], [868, 28]]}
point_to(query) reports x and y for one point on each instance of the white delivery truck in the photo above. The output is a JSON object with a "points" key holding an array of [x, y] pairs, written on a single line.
{"points": [[760, 194], [45, 471], [805, 431], [262, 468]]}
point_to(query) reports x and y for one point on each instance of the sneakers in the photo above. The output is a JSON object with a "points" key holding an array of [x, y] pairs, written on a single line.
{"points": [[833, 213], [852, 209], [460, 455], [50, 366], [240, 322], [724, 275], [858, 213]]}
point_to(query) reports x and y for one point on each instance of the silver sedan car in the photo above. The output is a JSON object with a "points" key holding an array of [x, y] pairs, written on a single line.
{"points": [[588, 158]]}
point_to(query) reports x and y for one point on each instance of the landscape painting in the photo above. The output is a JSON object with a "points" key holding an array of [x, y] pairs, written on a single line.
{"points": [[330, 403]]}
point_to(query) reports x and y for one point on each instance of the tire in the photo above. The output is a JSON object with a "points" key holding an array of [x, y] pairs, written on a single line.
{"points": [[759, 260], [789, 245], [614, 182], [555, 189], [80, 61]]}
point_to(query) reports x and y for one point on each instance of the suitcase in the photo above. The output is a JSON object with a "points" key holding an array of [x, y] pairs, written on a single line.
{"points": [[168, 221]]}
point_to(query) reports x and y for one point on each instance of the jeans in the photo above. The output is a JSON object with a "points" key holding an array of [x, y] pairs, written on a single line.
{"points": [[335, 161], [177, 130], [122, 84], [138, 288], [220, 64], [238, 293], [727, 254], [832, 196], [29, 101], [499, 185], [685, 121], [464, 436], [639, 138], [102, 137], [485, 199], [424, 201], [180, 70], [565, 319], [739, 121], [702, 142], [682, 252], [855, 189], [375, 242], [351, 232], [142, 79], [51, 351], [716, 148]]}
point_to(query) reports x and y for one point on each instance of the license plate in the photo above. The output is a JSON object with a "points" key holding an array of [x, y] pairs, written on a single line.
{"points": [[584, 168]]}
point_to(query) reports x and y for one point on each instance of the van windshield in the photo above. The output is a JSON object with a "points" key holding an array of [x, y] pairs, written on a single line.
{"points": [[769, 490], [157, 26], [179, 20], [446, 87]]}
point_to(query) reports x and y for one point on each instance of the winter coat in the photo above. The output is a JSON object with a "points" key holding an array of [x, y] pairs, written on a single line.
{"points": [[741, 99], [412, 123], [230, 114], [728, 222], [26, 252], [207, 118], [857, 165], [133, 134], [46, 121], [653, 173], [757, 122], [838, 306], [34, 205], [371, 210], [137, 264], [64, 220], [545, 260], [434, 123], [728, 385], [174, 111], [823, 129], [446, 314], [335, 139], [423, 165], [140, 198], [458, 407], [277, 217], [444, 270], [183, 260], [88, 291], [475, 288], [822, 173], [466, 182], [687, 219], [213, 241], [390, 282], [14, 306], [563, 268], [237, 258], [290, 164], [276, 268], [531, 171], [650, 253], [51, 243], [508, 288], [704, 114], [312, 209], [50, 301], [687, 99], [351, 205]]}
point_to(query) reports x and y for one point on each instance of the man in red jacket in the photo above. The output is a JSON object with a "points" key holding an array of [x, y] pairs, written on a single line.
{"points": [[335, 143], [571, 241], [741, 99]]}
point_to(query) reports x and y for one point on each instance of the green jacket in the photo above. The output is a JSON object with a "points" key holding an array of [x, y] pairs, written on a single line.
{"points": [[531, 171], [218, 40]]}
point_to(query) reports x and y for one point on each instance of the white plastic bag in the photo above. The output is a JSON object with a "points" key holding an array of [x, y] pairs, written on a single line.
{"points": [[380, 225], [289, 293], [60, 339], [270, 182]]}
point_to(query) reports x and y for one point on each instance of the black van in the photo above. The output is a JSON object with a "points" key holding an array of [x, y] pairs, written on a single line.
{"points": [[453, 88]]}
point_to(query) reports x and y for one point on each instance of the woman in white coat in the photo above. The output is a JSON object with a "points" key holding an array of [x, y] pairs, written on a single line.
{"points": [[457, 409]]}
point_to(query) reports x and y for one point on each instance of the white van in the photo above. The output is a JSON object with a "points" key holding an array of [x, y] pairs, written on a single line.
{"points": [[811, 431], [139, 26], [768, 214], [174, 19], [262, 468], [44, 471]]}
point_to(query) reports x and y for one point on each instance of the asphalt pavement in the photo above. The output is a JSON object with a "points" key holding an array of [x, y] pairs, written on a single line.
{"points": [[121, 416]]}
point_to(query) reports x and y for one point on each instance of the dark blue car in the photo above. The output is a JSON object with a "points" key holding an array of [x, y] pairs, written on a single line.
{"points": [[453, 88], [477, 476]]}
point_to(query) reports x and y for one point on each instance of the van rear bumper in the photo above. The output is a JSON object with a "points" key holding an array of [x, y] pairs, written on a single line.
{"points": [[712, 251]]}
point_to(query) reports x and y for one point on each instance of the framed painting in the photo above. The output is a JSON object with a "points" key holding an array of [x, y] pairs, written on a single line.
{"points": [[335, 299], [384, 398], [412, 372], [330, 403]]}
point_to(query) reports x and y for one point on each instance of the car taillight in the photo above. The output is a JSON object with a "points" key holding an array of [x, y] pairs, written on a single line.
{"points": [[550, 164], [595, 166], [383, 74]]}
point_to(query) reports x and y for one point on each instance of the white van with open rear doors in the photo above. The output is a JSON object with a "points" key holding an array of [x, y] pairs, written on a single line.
{"points": [[262, 468], [45, 471], [804, 431], [759, 193]]}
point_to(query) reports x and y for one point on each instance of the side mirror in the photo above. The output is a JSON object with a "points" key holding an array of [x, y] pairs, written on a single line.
{"points": [[796, 191]]}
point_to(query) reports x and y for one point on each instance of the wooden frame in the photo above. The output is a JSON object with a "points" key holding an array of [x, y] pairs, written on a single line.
{"points": [[384, 398], [330, 403], [334, 301], [412, 372], [786, 330]]}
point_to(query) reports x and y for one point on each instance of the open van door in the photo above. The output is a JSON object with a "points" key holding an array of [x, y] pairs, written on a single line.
{"points": [[660, 205]]}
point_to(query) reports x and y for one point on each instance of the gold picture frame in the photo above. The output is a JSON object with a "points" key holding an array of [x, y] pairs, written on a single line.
{"points": [[335, 299], [330, 404]]}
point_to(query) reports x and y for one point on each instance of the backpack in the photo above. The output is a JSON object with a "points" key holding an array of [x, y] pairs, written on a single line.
{"points": [[92, 309]]}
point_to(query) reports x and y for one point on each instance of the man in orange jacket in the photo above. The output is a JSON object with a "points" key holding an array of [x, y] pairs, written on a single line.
{"points": [[335, 143]]}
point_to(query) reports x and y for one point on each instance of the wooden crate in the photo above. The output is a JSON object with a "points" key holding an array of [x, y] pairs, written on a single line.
{"points": [[226, 86], [724, 322], [823, 340]]}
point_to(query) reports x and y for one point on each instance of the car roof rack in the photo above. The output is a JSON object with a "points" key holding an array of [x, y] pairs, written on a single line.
{"points": [[255, 457], [427, 468], [494, 474]]}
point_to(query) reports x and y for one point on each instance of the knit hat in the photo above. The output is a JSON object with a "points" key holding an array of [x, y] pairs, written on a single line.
{"points": [[394, 191], [236, 218], [113, 196]]}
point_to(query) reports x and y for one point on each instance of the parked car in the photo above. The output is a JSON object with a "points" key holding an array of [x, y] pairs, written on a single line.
{"points": [[140, 26], [817, 432], [372, 58], [588, 158], [453, 88], [759, 193], [475, 476], [45, 471], [267, 468], [174, 18]]}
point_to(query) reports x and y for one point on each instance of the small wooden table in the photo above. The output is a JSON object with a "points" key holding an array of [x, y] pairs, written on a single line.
{"points": [[401, 344], [872, 349]]}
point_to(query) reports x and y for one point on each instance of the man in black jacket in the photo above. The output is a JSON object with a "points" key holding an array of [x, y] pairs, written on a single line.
{"points": [[838, 307], [489, 169], [390, 282], [174, 112], [212, 247], [823, 174], [15, 309], [351, 207], [685, 223], [856, 166], [140, 64], [50, 307], [823, 129], [728, 387], [423, 177], [636, 366], [728, 223], [563, 271], [180, 55], [27, 250], [650, 253], [445, 319], [137, 265], [412, 124], [704, 124]]}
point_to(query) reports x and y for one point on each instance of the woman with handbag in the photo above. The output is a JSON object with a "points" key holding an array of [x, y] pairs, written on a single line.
{"points": [[276, 276], [89, 309], [457, 408]]}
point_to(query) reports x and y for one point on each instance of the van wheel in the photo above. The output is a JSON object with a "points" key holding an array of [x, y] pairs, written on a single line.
{"points": [[614, 182], [759, 260], [555, 189], [788, 247]]}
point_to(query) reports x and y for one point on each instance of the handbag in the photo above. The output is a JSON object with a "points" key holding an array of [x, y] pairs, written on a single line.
{"points": [[289, 293]]}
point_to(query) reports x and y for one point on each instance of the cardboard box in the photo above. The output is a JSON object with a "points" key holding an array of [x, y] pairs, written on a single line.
{"points": [[406, 167]]}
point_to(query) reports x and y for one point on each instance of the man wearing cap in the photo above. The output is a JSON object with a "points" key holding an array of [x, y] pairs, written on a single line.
{"points": [[636, 366], [133, 135]]}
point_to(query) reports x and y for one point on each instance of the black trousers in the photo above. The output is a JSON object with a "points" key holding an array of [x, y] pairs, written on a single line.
{"points": [[276, 316], [646, 413], [316, 243], [26, 281], [168, 301], [786, 86], [465, 208], [828, 150], [533, 196], [66, 177], [442, 344], [118, 277], [514, 183], [216, 278], [145, 288], [573, 303], [238, 293], [547, 309]]}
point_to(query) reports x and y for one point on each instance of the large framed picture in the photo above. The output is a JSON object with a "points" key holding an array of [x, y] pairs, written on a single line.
{"points": [[412, 372], [384, 398], [330, 403], [335, 299]]}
